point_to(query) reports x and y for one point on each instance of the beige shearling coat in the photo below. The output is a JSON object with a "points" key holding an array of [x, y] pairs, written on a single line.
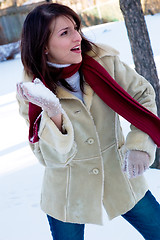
{"points": [[83, 167]]}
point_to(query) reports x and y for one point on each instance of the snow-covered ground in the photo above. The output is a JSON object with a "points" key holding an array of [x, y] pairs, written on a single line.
{"points": [[21, 174]]}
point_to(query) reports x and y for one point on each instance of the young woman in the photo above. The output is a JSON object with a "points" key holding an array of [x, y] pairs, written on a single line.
{"points": [[74, 128]]}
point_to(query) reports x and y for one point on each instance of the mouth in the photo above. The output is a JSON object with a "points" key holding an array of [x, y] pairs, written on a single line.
{"points": [[76, 49]]}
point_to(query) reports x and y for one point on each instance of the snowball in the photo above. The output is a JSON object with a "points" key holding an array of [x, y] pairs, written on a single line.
{"points": [[38, 90]]}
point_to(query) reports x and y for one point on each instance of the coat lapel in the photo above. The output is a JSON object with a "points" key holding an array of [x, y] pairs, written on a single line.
{"points": [[87, 97]]}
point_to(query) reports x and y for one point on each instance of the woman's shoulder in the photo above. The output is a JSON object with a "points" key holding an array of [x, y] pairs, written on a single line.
{"points": [[102, 50]]}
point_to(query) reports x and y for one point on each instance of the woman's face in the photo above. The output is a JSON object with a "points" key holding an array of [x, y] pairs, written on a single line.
{"points": [[64, 45]]}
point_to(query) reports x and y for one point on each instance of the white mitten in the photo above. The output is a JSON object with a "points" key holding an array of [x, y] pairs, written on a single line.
{"points": [[135, 163], [41, 96]]}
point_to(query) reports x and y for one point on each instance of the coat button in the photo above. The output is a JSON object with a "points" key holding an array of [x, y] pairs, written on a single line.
{"points": [[95, 171], [90, 141]]}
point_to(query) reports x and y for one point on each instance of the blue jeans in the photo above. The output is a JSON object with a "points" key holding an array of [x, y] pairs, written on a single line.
{"points": [[144, 216]]}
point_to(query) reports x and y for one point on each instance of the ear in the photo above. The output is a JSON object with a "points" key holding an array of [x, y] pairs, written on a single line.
{"points": [[46, 50]]}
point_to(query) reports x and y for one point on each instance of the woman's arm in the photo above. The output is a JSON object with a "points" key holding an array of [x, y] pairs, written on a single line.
{"points": [[142, 91], [58, 121], [56, 146]]}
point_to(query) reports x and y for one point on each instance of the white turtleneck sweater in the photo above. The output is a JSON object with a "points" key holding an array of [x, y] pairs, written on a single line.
{"points": [[74, 80]]}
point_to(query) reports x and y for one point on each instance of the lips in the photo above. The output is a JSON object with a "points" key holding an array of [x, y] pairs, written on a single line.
{"points": [[76, 49]]}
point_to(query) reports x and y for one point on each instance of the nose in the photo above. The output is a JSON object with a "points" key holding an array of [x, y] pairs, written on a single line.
{"points": [[77, 37]]}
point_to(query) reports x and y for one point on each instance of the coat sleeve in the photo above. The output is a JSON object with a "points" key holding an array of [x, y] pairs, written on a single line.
{"points": [[142, 91], [54, 149]]}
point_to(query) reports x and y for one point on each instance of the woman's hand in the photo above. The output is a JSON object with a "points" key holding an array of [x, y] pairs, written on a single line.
{"points": [[41, 96], [135, 163]]}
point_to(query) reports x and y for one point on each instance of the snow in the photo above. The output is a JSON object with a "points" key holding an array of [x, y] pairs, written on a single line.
{"points": [[9, 51], [39, 90], [21, 174]]}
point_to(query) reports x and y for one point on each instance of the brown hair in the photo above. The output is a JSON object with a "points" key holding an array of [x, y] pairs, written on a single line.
{"points": [[35, 36]]}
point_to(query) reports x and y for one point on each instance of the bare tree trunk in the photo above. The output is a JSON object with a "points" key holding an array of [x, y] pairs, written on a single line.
{"points": [[141, 49]]}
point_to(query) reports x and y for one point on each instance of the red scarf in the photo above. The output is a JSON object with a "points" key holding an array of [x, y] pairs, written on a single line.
{"points": [[112, 94]]}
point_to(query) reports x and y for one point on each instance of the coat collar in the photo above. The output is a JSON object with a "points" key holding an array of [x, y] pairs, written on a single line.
{"points": [[101, 50]]}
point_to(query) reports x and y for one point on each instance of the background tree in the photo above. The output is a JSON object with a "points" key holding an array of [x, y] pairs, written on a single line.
{"points": [[141, 49]]}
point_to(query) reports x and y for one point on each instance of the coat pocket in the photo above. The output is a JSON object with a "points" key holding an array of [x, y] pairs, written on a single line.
{"points": [[54, 159]]}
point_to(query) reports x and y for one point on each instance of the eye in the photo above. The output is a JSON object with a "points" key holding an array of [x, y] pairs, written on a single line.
{"points": [[64, 33]]}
